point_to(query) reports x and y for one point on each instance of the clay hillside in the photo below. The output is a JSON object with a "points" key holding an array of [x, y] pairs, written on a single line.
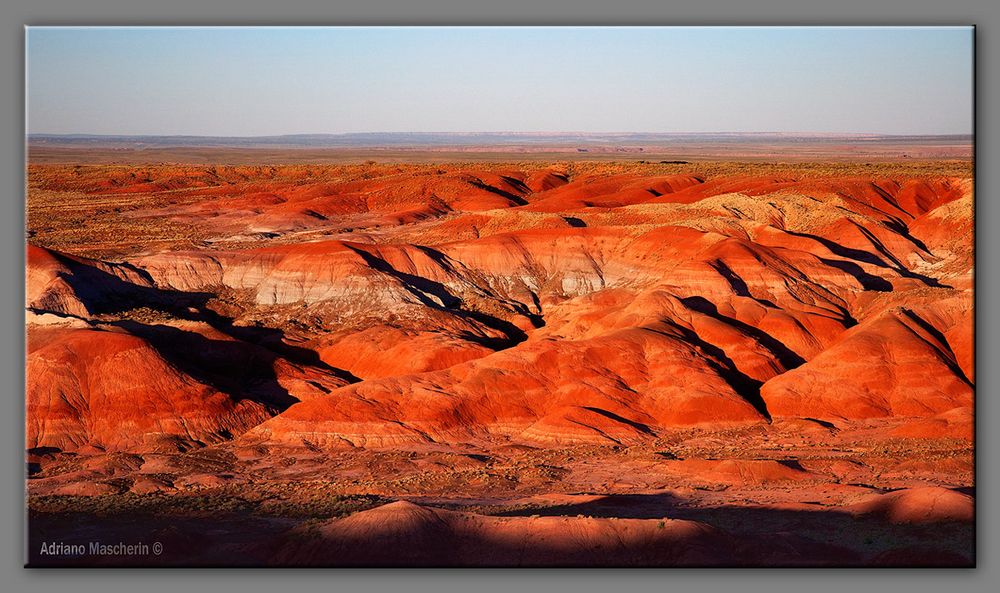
{"points": [[546, 363]]}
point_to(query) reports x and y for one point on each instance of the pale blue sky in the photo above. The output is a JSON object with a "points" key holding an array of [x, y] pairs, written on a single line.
{"points": [[266, 81]]}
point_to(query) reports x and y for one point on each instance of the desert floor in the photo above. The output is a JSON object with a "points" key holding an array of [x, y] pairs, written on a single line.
{"points": [[497, 362]]}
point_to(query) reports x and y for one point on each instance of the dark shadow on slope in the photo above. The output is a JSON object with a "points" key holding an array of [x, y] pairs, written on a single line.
{"points": [[775, 537], [612, 416], [903, 231], [313, 214], [948, 357], [518, 200], [823, 423], [737, 284], [899, 267], [236, 368], [448, 264], [890, 262], [575, 222], [667, 505], [514, 335], [846, 252], [791, 464], [517, 183], [747, 387], [418, 286], [269, 338], [889, 199], [421, 287], [104, 293], [738, 536], [785, 355], [867, 281]]}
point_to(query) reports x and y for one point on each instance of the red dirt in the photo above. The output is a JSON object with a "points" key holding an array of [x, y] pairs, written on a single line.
{"points": [[728, 360]]}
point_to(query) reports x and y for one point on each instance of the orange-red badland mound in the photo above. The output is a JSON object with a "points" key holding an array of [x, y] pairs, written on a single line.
{"points": [[115, 391], [585, 363], [930, 504], [730, 300], [410, 535]]}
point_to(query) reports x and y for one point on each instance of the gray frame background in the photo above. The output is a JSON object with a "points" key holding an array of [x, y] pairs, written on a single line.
{"points": [[13, 17]]}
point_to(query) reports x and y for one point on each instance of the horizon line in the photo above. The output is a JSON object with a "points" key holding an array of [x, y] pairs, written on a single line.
{"points": [[496, 132]]}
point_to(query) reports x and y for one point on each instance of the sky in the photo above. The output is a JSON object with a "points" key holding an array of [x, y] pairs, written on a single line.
{"points": [[272, 81]]}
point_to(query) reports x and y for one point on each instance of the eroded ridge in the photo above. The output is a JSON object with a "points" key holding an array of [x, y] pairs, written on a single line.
{"points": [[659, 349]]}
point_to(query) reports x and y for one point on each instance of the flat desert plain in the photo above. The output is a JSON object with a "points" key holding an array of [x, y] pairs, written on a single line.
{"points": [[501, 362]]}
